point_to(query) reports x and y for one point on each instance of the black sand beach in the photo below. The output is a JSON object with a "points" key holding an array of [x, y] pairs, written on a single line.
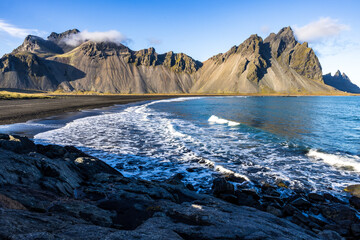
{"points": [[15, 111]]}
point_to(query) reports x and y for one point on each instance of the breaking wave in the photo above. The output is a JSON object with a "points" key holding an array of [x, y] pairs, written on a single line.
{"points": [[218, 120], [339, 161], [153, 143]]}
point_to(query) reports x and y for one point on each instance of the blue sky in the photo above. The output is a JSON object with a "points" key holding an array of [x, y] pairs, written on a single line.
{"points": [[200, 29]]}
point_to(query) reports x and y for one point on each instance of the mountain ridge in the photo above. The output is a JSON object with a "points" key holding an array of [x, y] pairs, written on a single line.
{"points": [[341, 82], [277, 64]]}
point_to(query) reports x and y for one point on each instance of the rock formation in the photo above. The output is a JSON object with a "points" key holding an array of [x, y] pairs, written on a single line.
{"points": [[53, 192], [341, 82], [278, 64]]}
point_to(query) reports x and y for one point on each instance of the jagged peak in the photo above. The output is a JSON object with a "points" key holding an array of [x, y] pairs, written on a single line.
{"points": [[344, 75], [286, 31], [32, 37], [254, 37], [337, 74], [57, 36], [102, 46], [35, 44]]}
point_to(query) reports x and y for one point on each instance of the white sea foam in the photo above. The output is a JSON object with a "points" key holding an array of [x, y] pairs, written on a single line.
{"points": [[155, 145], [344, 162], [218, 120]]}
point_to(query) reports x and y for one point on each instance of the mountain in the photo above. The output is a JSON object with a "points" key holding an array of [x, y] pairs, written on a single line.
{"points": [[278, 64], [341, 82], [104, 67]]}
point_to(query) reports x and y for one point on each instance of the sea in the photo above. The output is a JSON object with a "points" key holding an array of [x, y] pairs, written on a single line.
{"points": [[307, 142]]}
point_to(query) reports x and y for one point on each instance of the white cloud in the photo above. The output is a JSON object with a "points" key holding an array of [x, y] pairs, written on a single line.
{"points": [[109, 36], [16, 31], [320, 30]]}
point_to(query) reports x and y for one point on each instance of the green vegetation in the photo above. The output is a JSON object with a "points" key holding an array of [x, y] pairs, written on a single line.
{"points": [[5, 95]]}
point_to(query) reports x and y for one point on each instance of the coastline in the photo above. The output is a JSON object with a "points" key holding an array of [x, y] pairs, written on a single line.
{"points": [[16, 111], [54, 192], [321, 216], [22, 110]]}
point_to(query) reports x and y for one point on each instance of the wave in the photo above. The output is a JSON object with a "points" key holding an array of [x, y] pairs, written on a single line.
{"points": [[143, 142], [218, 120], [343, 162]]}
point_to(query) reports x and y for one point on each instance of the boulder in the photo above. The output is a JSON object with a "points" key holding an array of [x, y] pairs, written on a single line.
{"points": [[220, 185], [176, 179], [337, 212], [247, 198], [355, 202], [301, 203], [315, 197], [17, 144], [353, 190]]}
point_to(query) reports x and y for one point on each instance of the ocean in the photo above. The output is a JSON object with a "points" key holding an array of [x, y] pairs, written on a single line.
{"points": [[302, 142]]}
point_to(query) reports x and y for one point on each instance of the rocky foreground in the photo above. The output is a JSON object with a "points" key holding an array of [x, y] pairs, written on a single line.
{"points": [[53, 192]]}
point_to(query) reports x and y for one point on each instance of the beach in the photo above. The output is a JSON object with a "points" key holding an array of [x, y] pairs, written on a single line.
{"points": [[21, 110], [127, 171]]}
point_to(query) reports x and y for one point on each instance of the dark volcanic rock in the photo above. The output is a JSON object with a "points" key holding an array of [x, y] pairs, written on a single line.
{"points": [[301, 203], [338, 212], [314, 197], [355, 202], [75, 196], [220, 185], [17, 144]]}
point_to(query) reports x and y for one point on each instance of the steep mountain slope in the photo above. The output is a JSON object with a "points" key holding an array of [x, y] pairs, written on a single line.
{"points": [[102, 67], [277, 64], [110, 67], [341, 82]]}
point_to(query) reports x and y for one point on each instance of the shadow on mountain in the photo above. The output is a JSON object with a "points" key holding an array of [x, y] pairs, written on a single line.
{"points": [[265, 53], [62, 72], [28, 71]]}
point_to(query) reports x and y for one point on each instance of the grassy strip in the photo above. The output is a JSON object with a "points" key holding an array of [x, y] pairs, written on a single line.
{"points": [[5, 95]]}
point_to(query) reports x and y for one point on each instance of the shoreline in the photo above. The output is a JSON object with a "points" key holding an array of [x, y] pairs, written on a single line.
{"points": [[17, 111], [56, 192], [22, 110]]}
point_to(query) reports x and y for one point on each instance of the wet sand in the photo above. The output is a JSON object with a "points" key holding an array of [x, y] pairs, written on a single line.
{"points": [[15, 111]]}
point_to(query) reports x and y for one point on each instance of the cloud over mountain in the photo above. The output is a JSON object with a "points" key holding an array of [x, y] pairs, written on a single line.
{"points": [[108, 36], [320, 29]]}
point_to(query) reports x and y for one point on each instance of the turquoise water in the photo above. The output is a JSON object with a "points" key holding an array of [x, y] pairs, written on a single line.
{"points": [[305, 142]]}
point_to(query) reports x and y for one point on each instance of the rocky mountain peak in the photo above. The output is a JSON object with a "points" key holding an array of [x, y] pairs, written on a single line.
{"points": [[35, 44], [103, 49], [277, 64], [283, 40], [341, 82], [59, 39], [287, 31], [337, 74], [345, 76], [56, 37]]}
